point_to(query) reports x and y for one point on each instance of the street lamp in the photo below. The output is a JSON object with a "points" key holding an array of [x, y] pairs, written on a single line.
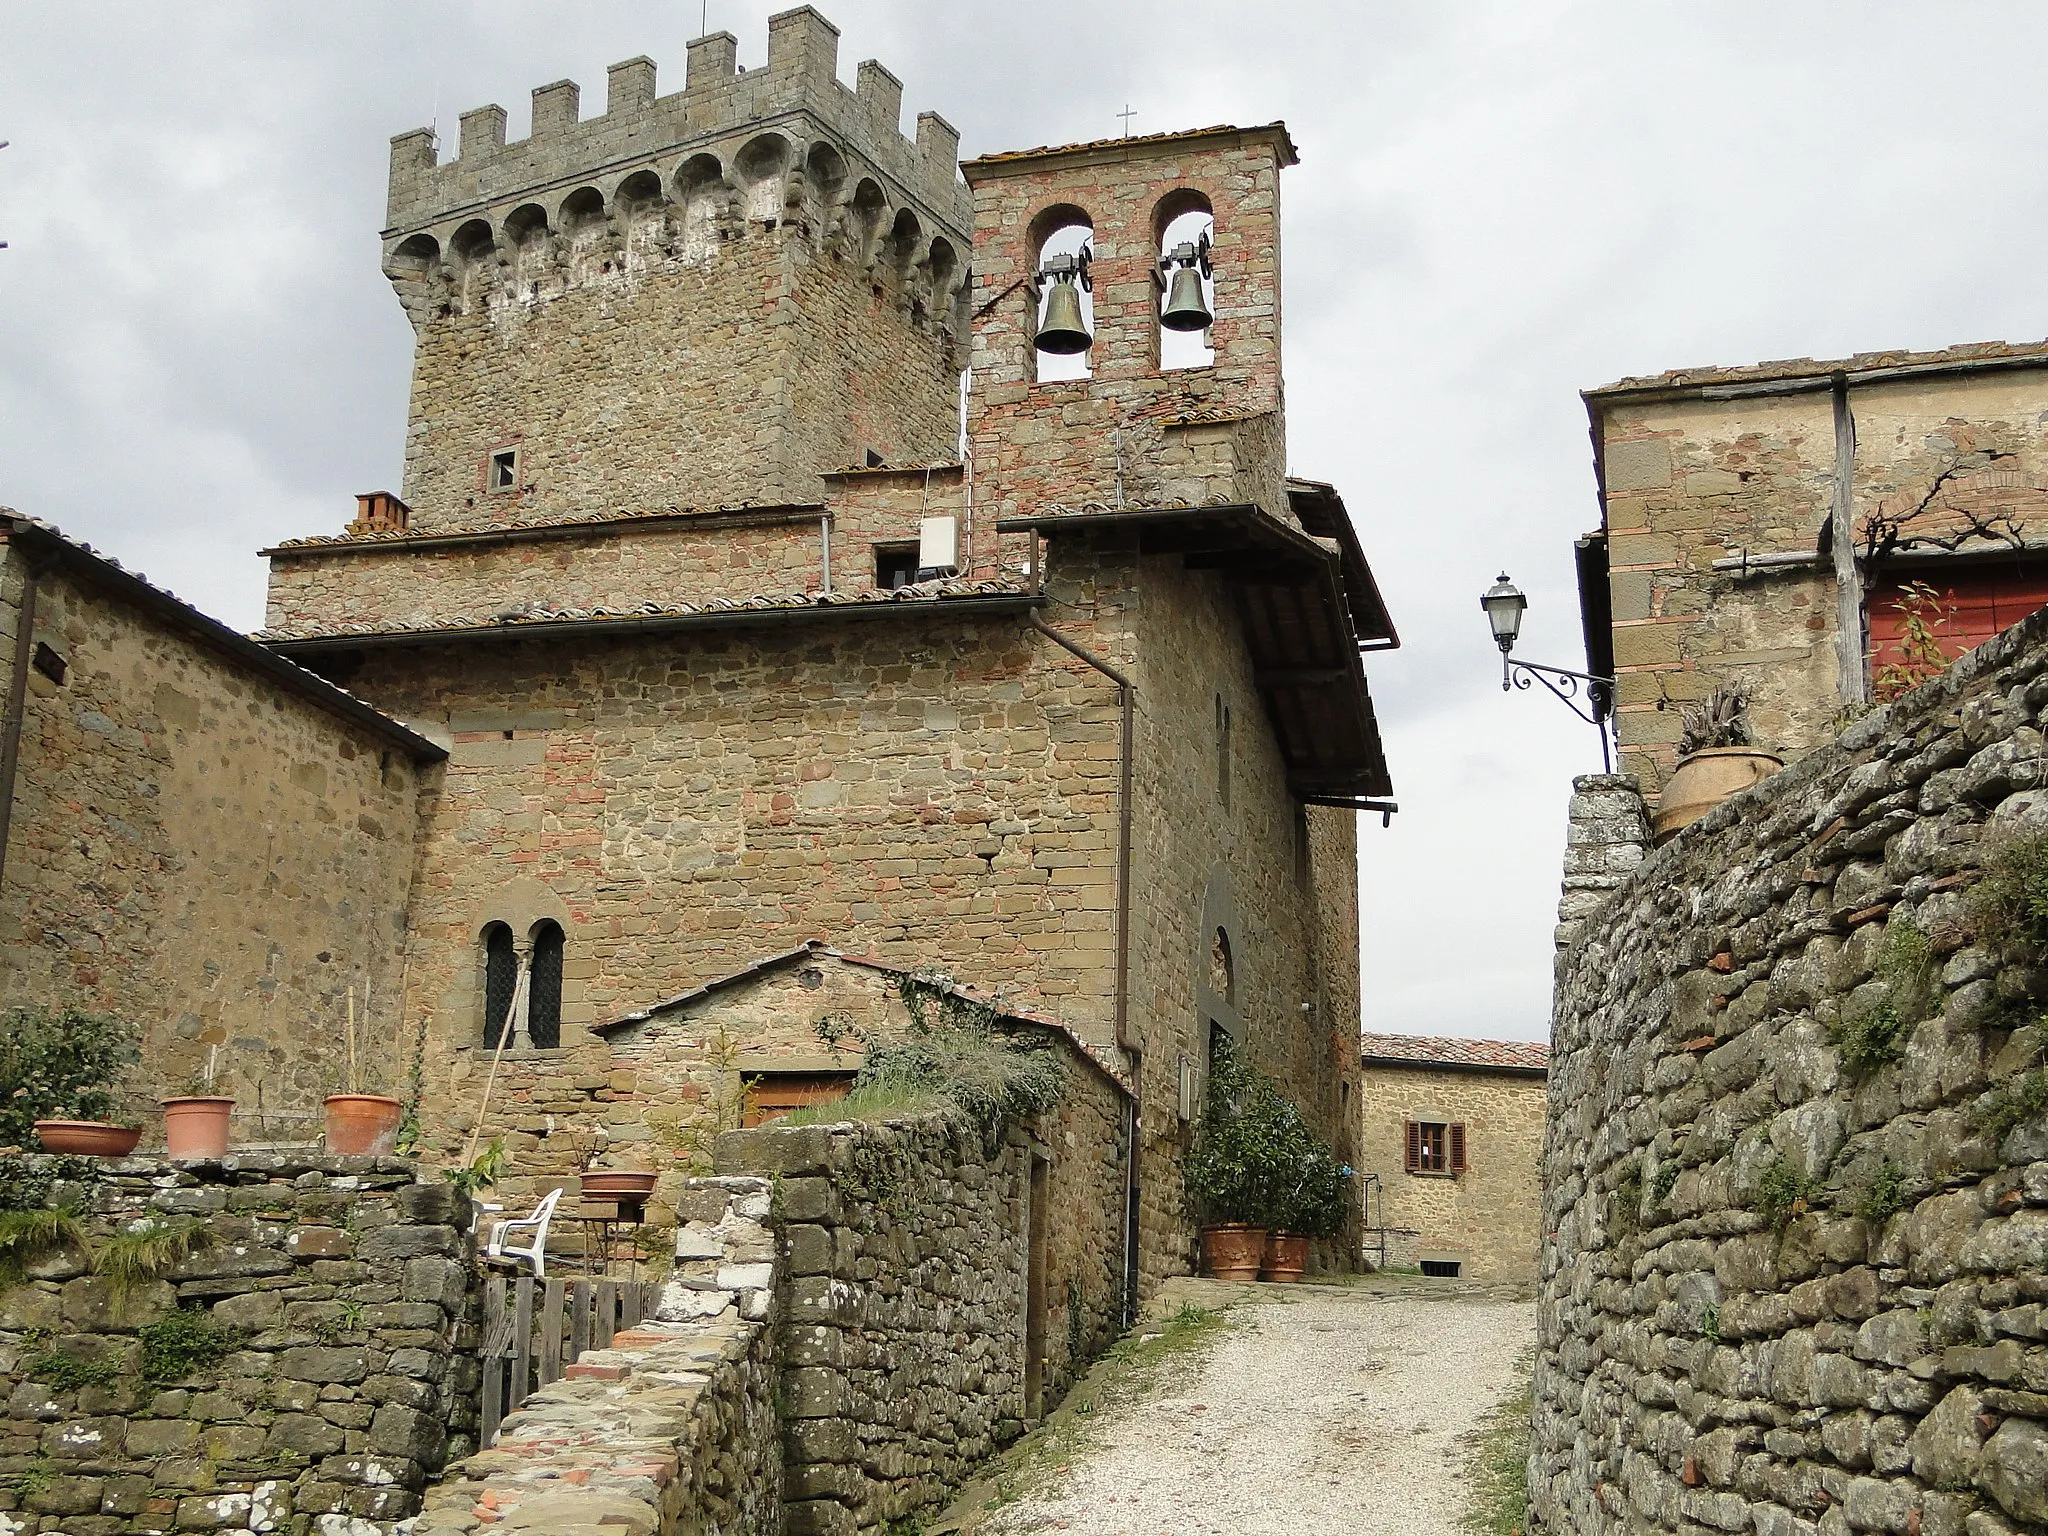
{"points": [[1504, 605]]}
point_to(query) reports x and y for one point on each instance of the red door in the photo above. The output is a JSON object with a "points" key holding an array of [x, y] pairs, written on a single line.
{"points": [[1972, 603]]}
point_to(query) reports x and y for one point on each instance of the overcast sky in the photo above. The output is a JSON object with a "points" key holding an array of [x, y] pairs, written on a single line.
{"points": [[1497, 206]]}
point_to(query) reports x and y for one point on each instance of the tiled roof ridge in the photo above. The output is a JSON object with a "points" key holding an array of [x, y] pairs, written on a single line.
{"points": [[1102, 1057], [1808, 367], [489, 525], [300, 677], [1004, 156], [1455, 1050], [537, 615]]}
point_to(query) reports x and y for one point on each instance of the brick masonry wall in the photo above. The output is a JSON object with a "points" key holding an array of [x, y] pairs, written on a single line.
{"points": [[903, 1322], [1872, 1359], [1059, 442], [346, 1287], [201, 852], [1486, 1217], [1689, 482]]}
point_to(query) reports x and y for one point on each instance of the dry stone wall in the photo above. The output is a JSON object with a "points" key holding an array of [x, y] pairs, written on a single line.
{"points": [[1795, 1265], [907, 1309], [326, 1370]]}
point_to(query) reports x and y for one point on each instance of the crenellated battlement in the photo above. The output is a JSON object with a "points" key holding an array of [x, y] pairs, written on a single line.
{"points": [[836, 137]]}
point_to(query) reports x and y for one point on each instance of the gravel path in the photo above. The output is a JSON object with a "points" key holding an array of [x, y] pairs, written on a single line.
{"points": [[1336, 1413]]}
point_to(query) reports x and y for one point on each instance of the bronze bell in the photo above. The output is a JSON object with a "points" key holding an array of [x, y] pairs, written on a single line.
{"points": [[1064, 331], [1185, 310]]}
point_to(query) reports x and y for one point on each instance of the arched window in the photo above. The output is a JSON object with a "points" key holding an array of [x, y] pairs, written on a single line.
{"points": [[1061, 233], [544, 998], [501, 971], [1183, 226]]}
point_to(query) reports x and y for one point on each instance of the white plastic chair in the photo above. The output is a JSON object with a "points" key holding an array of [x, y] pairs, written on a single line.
{"points": [[496, 1247]]}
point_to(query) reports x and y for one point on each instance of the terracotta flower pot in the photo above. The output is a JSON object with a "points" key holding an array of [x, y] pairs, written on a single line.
{"points": [[614, 1184], [87, 1138], [196, 1126], [1233, 1251], [1703, 780], [1286, 1257], [362, 1124]]}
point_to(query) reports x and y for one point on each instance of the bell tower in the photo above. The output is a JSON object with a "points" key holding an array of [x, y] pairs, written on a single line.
{"points": [[1096, 379], [697, 300]]}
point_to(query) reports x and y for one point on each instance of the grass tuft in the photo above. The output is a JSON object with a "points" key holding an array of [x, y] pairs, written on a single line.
{"points": [[2011, 1104], [26, 1236], [2010, 904], [147, 1250], [1500, 1464]]}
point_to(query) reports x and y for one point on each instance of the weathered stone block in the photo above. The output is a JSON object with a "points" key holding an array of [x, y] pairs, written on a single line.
{"points": [[322, 1364]]}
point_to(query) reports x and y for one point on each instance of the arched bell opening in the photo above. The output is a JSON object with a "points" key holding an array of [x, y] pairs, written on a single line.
{"points": [[1184, 229], [1063, 299]]}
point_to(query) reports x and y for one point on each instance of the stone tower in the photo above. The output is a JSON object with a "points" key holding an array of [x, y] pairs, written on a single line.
{"points": [[693, 301]]}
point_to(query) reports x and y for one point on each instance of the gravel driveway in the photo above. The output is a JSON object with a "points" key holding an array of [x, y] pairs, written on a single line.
{"points": [[1322, 1411]]}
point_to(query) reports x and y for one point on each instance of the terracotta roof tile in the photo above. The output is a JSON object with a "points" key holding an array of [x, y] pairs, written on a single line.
{"points": [[1009, 156], [534, 616], [1452, 1051]]}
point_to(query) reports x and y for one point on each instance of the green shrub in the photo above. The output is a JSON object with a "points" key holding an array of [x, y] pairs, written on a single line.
{"points": [[1869, 1037], [67, 1373], [1666, 1181], [2010, 904], [59, 1064], [26, 1236], [958, 1053], [1257, 1160], [184, 1343], [1883, 1196], [2012, 1103], [1783, 1192], [1876, 1034], [25, 1185]]}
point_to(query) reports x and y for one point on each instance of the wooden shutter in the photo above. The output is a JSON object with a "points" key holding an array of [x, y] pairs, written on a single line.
{"points": [[1413, 1139], [1454, 1137]]}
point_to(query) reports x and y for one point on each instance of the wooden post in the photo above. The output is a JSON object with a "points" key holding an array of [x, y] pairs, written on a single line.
{"points": [[492, 1362], [579, 1319], [522, 1346], [551, 1332], [607, 1314], [1849, 670]]}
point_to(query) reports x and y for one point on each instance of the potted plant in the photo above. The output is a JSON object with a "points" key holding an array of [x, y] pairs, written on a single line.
{"points": [[1228, 1173], [1309, 1204], [360, 1124], [59, 1074], [196, 1121], [1717, 757]]}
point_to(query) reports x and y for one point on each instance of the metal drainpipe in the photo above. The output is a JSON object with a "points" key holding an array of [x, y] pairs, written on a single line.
{"points": [[17, 702], [1126, 695]]}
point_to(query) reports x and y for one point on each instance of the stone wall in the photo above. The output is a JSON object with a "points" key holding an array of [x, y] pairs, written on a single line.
{"points": [[680, 303], [672, 1430], [209, 854], [1793, 1274], [1716, 492], [909, 1301], [1484, 1219], [338, 1289]]}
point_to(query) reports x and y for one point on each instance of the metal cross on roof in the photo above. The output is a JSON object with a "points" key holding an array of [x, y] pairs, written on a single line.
{"points": [[1127, 114]]}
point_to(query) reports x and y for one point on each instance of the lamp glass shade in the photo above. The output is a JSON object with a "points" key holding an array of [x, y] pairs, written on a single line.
{"points": [[1504, 602]]}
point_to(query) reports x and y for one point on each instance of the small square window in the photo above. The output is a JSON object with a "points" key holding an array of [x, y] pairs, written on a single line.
{"points": [[49, 663], [895, 566], [503, 472], [1441, 1269], [1434, 1147]]}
